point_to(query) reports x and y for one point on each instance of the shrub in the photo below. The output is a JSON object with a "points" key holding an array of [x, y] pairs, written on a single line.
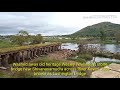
{"points": [[81, 60], [86, 56]]}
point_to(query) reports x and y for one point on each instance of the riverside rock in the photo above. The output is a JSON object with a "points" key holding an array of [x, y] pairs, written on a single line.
{"points": [[110, 71]]}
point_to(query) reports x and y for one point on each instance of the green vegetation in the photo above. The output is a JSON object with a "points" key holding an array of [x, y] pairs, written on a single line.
{"points": [[23, 38], [102, 36], [87, 57], [7, 44], [117, 36], [77, 59], [94, 30], [2, 50], [63, 40], [37, 39], [104, 32], [29, 74], [82, 58], [20, 38], [4, 74], [109, 62]]}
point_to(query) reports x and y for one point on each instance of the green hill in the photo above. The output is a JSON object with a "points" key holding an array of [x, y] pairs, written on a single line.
{"points": [[94, 30]]}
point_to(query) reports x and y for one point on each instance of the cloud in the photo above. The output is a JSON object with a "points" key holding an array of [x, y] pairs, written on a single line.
{"points": [[52, 23]]}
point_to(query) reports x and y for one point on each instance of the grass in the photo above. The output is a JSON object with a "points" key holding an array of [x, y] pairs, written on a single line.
{"points": [[109, 42], [6, 44], [103, 55], [4, 74], [109, 62], [2, 50], [86, 56], [82, 58], [61, 40], [29, 74]]}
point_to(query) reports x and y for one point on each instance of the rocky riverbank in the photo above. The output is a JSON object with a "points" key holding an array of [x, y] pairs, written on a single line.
{"points": [[110, 71], [108, 54], [62, 54]]}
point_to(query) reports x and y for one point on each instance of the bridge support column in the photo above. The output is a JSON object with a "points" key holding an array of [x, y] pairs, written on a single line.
{"points": [[35, 53], [46, 50], [32, 53], [17, 57], [4, 61], [59, 47], [0, 60], [23, 57], [43, 50], [54, 48], [28, 55], [40, 51], [50, 49]]}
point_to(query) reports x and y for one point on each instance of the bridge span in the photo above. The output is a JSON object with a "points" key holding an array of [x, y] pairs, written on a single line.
{"points": [[10, 57]]}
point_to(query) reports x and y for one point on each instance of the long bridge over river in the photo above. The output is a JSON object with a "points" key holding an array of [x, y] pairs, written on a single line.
{"points": [[21, 55]]}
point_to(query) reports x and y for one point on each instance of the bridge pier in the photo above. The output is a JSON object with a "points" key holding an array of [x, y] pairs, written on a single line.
{"points": [[15, 57], [23, 57], [52, 49], [31, 53], [0, 60], [4, 61], [35, 53], [40, 51], [28, 55]]}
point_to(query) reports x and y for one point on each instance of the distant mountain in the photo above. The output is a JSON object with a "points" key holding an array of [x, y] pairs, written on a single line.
{"points": [[94, 30]]}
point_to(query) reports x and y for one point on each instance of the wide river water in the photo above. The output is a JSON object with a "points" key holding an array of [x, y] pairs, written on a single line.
{"points": [[108, 47]]}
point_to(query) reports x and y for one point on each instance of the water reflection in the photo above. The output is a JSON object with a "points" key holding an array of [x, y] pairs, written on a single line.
{"points": [[98, 59], [111, 47], [71, 46], [107, 47]]}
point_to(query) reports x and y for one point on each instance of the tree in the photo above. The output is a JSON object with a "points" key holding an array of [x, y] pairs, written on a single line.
{"points": [[23, 33], [102, 36], [37, 39], [117, 36], [20, 38]]}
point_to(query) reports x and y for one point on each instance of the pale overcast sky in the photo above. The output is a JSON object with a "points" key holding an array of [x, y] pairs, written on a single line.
{"points": [[52, 23]]}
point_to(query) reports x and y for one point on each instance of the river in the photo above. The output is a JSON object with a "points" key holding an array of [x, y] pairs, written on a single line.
{"points": [[108, 47]]}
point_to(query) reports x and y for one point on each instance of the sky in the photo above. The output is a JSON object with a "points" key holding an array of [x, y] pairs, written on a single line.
{"points": [[52, 23]]}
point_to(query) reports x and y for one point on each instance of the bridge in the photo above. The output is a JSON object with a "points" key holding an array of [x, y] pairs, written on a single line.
{"points": [[21, 55]]}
